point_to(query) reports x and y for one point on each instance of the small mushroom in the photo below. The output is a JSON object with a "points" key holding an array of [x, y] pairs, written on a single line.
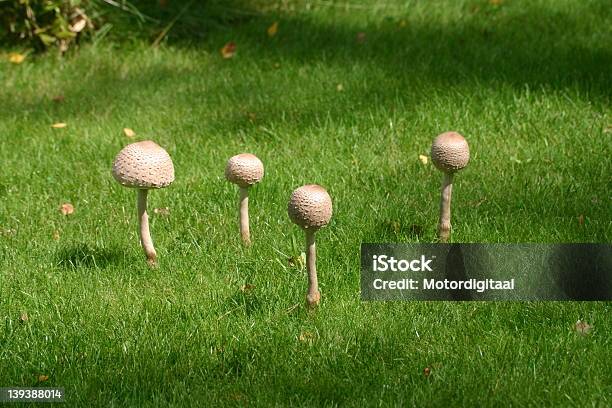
{"points": [[143, 166], [449, 153], [244, 170], [310, 207]]}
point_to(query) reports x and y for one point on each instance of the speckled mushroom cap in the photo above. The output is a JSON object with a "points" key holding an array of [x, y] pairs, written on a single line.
{"points": [[310, 207], [244, 169], [450, 152], [143, 165]]}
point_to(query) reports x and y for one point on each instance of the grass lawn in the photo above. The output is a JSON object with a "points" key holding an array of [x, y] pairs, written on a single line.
{"points": [[529, 84]]}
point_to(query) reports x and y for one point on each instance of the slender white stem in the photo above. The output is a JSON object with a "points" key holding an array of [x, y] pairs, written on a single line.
{"points": [[244, 216], [444, 227], [314, 296], [143, 219]]}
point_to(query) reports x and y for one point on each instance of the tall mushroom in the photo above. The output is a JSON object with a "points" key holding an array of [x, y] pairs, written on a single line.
{"points": [[310, 207], [450, 153], [244, 170], [143, 166]]}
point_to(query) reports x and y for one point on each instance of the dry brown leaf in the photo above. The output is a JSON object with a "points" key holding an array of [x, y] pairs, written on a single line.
{"points": [[306, 336], [24, 317], [495, 2], [247, 288], [581, 220], [43, 378], [59, 125], [56, 235], [129, 132], [582, 327], [229, 50], [78, 26], [58, 98], [273, 29], [361, 37], [66, 209], [163, 211], [427, 371], [424, 159], [16, 58]]}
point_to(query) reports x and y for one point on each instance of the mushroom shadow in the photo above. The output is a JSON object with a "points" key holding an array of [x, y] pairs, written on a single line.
{"points": [[455, 271], [87, 256]]}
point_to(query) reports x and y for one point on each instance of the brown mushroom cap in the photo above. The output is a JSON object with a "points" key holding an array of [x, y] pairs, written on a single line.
{"points": [[244, 169], [450, 152], [310, 207], [143, 165]]}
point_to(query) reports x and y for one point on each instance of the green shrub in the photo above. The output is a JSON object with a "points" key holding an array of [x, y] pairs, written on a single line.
{"points": [[42, 24]]}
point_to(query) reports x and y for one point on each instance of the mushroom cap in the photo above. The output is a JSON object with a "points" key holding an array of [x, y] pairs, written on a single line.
{"points": [[450, 152], [244, 169], [143, 165], [310, 207]]}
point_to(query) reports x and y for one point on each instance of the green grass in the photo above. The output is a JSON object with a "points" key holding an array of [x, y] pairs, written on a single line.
{"points": [[527, 83]]}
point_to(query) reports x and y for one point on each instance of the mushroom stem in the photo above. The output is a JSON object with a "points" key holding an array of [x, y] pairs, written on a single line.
{"points": [[313, 295], [244, 216], [444, 227], [143, 219]]}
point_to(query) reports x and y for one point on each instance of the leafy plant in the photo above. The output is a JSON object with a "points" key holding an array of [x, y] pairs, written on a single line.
{"points": [[44, 24]]}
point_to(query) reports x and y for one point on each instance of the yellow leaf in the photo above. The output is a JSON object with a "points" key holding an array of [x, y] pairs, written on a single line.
{"points": [[78, 26], [164, 211], [339, 87], [424, 159], [129, 132], [59, 125], [24, 317], [229, 50], [66, 209], [273, 29], [16, 58], [42, 378]]}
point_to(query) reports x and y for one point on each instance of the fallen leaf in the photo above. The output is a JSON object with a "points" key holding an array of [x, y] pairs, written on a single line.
{"points": [[361, 37], [129, 132], [273, 29], [78, 26], [8, 231], [56, 235], [24, 317], [16, 58], [164, 211], [427, 371], [424, 159], [306, 336], [43, 378], [229, 50], [58, 98], [495, 2], [581, 220], [59, 125], [66, 209], [340, 88], [247, 288], [582, 327]]}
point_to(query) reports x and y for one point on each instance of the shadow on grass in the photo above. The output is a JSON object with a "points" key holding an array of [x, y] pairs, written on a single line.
{"points": [[523, 48], [86, 256]]}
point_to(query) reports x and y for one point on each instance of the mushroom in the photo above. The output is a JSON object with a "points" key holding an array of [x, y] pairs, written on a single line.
{"points": [[310, 207], [244, 170], [143, 166], [449, 153]]}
